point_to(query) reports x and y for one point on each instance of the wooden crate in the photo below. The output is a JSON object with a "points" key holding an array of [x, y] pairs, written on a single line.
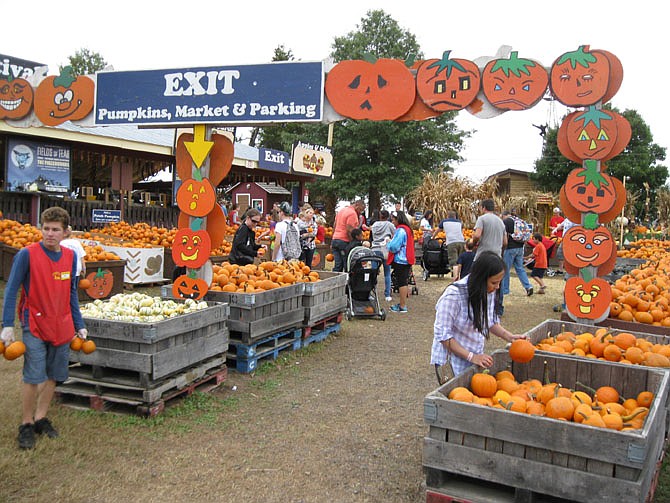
{"points": [[116, 267], [325, 298], [542, 455], [157, 350], [256, 315], [7, 254]]}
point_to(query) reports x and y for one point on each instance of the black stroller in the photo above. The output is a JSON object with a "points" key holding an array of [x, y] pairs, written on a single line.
{"points": [[363, 266], [411, 282], [435, 259]]}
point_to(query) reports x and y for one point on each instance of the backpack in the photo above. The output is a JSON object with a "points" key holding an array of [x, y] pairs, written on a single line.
{"points": [[290, 244], [522, 231]]}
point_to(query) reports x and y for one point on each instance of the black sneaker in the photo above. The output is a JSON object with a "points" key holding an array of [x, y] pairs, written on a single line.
{"points": [[27, 436], [529, 291], [44, 427]]}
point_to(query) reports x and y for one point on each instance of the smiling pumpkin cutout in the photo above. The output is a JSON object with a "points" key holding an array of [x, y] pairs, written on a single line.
{"points": [[196, 197], [64, 98], [514, 83], [587, 299], [191, 248], [589, 245], [102, 282], [16, 98], [189, 286]]}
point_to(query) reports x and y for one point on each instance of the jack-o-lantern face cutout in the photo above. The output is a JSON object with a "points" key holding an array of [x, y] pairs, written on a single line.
{"points": [[64, 98], [589, 190], [16, 98], [383, 90], [587, 299], [189, 287], [102, 282], [594, 133], [196, 197], [583, 247], [580, 78], [514, 83], [191, 248], [447, 84]]}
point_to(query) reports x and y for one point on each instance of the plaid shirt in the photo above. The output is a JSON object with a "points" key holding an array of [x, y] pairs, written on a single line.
{"points": [[452, 321]]}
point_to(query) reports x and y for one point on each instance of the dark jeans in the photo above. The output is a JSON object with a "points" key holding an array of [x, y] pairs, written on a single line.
{"points": [[307, 256], [339, 253]]}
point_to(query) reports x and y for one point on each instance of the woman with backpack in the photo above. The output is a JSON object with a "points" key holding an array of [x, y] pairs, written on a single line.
{"points": [[287, 236], [517, 235]]}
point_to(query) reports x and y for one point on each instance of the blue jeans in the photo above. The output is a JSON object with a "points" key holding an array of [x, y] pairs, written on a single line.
{"points": [[339, 248], [387, 275], [514, 257]]}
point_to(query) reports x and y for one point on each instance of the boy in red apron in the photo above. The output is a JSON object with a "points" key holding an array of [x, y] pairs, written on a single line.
{"points": [[50, 317]]}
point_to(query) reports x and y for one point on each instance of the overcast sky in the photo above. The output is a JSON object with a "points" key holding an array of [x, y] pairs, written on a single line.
{"points": [[139, 35]]}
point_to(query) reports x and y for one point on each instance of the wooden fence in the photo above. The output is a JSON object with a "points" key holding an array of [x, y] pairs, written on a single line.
{"points": [[23, 208]]}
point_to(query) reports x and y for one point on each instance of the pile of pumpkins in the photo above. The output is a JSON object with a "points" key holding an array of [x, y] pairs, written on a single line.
{"points": [[603, 408], [17, 235], [623, 347], [643, 295], [265, 276]]}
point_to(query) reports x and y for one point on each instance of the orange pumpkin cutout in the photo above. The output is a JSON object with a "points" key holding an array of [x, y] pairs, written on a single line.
{"points": [[220, 158], [380, 90], [102, 282], [419, 110], [590, 190], [64, 98], [575, 214], [616, 75], [216, 225], [562, 142], [191, 248], [514, 83], [587, 299], [447, 84], [196, 197], [188, 286], [593, 133], [580, 78], [589, 247], [16, 98]]}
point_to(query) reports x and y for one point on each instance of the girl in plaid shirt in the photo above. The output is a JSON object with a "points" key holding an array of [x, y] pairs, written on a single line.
{"points": [[465, 316]]}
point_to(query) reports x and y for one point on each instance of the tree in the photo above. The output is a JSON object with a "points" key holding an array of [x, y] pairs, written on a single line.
{"points": [[86, 62], [639, 162], [376, 158]]}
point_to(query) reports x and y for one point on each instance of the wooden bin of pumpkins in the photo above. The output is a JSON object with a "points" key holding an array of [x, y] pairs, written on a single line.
{"points": [[104, 274], [530, 426]]}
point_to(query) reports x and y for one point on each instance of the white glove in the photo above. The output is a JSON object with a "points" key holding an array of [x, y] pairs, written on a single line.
{"points": [[82, 333], [7, 335]]}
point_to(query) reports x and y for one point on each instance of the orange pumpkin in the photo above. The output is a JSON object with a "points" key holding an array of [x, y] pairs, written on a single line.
{"points": [[580, 78], [14, 350], [447, 84], [587, 299], [522, 351], [514, 83], [188, 286], [380, 90], [16, 98], [483, 384], [196, 197], [64, 98]]}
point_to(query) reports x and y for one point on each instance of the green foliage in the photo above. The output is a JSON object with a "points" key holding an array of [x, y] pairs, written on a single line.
{"points": [[86, 62], [640, 162]]}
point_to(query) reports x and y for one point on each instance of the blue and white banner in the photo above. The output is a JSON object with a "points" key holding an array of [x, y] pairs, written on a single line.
{"points": [[37, 167], [274, 160], [246, 94]]}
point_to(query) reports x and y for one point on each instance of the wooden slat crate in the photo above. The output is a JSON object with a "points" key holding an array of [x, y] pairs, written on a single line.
{"points": [[543, 455], [156, 350], [7, 255], [256, 315], [116, 267], [325, 297]]}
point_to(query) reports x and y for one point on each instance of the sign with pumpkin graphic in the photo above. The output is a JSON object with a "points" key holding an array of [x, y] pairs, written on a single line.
{"points": [[588, 299], [514, 83], [64, 98], [101, 283], [16, 98]]}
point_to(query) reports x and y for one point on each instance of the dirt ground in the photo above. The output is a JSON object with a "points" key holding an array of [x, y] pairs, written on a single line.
{"points": [[340, 421]]}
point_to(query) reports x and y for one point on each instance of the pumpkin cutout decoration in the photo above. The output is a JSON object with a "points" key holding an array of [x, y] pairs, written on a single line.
{"points": [[589, 190], [581, 78], [220, 157], [64, 98], [191, 248], [216, 225], [196, 197], [514, 83], [419, 110], [101, 283], [380, 90], [589, 247], [593, 133], [16, 98], [563, 144], [447, 84], [587, 299], [188, 286]]}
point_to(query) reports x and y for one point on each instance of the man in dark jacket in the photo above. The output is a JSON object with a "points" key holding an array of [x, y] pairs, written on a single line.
{"points": [[244, 248]]}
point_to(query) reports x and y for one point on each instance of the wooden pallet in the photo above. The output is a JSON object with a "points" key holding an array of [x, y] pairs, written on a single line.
{"points": [[82, 393], [320, 330], [247, 356]]}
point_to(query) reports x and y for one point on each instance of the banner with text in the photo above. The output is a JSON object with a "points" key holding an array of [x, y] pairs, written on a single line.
{"points": [[245, 94], [37, 167], [311, 159]]}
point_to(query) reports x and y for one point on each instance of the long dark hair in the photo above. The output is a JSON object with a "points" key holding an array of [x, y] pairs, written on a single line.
{"points": [[402, 218], [487, 264]]}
